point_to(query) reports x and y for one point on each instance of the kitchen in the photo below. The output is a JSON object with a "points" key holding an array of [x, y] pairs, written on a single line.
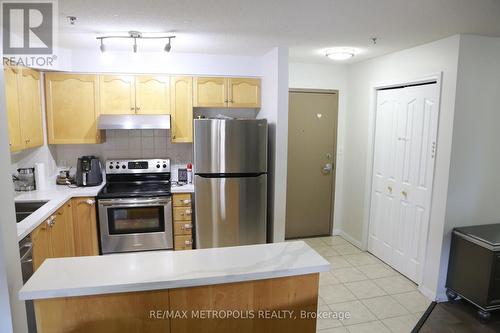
{"points": [[172, 158]]}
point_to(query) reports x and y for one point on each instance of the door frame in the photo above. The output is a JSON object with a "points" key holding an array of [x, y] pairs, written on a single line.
{"points": [[374, 88], [335, 144]]}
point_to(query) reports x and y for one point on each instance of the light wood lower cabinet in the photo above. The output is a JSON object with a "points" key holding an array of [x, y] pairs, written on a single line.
{"points": [[72, 107], [115, 313], [186, 310], [85, 227], [182, 217], [71, 231], [54, 237]]}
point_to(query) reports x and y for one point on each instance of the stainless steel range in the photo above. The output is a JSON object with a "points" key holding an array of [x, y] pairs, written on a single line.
{"points": [[135, 206]]}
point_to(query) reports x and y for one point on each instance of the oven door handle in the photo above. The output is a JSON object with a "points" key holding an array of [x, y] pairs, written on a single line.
{"points": [[133, 202]]}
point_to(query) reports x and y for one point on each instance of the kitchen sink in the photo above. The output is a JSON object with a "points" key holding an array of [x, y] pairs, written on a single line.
{"points": [[25, 209]]}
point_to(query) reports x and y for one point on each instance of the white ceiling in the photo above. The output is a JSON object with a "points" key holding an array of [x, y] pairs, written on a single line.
{"points": [[252, 27]]}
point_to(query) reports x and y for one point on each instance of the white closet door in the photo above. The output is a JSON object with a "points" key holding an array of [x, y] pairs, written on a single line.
{"points": [[405, 138]]}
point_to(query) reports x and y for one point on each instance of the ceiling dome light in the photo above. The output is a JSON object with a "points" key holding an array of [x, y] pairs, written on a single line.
{"points": [[340, 54]]}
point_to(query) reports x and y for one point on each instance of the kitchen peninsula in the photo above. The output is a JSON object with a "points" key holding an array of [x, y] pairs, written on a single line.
{"points": [[164, 291]]}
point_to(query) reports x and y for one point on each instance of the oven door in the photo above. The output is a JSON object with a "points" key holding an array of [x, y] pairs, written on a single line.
{"points": [[135, 224]]}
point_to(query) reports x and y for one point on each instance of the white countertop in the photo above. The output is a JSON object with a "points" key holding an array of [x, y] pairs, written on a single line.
{"points": [[188, 188], [56, 195], [157, 270]]}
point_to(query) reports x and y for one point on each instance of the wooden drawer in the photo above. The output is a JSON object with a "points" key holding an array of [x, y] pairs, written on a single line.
{"points": [[182, 214], [181, 200], [184, 242], [183, 228]]}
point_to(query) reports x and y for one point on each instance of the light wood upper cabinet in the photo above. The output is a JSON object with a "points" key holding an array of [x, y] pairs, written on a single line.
{"points": [[117, 94], [85, 227], [210, 92], [24, 109], [226, 92], [72, 107], [31, 108], [152, 94], [181, 93], [13, 111], [244, 93]]}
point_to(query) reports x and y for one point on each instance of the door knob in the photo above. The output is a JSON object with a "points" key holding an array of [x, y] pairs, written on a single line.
{"points": [[327, 169], [389, 188], [405, 194]]}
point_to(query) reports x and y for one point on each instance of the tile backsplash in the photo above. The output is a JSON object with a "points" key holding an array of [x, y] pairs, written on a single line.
{"points": [[129, 144]]}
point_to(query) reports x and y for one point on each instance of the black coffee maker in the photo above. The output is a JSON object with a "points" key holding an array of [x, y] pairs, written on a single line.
{"points": [[88, 171]]}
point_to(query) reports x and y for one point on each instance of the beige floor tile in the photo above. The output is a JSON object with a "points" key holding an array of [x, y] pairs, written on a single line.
{"points": [[326, 251], [365, 289], [384, 307], [395, 284], [346, 249], [413, 301], [355, 311], [335, 294], [348, 274], [333, 330], [377, 271], [403, 324], [326, 322], [338, 262], [372, 327], [335, 240], [327, 278], [314, 242], [361, 259]]}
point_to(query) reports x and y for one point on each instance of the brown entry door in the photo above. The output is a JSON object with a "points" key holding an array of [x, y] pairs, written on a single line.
{"points": [[312, 133]]}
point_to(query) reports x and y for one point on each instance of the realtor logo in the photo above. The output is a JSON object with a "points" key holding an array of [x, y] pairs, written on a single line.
{"points": [[28, 27]]}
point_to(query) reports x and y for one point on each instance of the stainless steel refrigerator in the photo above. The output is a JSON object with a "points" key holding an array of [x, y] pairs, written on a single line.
{"points": [[230, 165]]}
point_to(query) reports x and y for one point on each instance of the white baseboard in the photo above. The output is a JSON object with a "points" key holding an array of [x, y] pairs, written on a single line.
{"points": [[355, 242]]}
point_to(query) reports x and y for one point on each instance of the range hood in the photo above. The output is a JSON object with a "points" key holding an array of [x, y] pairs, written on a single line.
{"points": [[126, 122]]}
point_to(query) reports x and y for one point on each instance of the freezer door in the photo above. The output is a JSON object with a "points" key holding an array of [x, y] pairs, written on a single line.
{"points": [[230, 146], [230, 211]]}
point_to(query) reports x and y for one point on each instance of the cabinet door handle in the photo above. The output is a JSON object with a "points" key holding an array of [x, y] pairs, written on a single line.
{"points": [[90, 202], [188, 242], [132, 108], [138, 109], [186, 201], [187, 226]]}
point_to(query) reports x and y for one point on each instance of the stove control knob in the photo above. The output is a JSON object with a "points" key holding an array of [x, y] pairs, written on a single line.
{"points": [[164, 166], [111, 167], [123, 166], [158, 166]]}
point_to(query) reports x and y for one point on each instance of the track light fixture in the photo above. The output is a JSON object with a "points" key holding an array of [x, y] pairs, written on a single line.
{"points": [[168, 46], [102, 47], [135, 35]]}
